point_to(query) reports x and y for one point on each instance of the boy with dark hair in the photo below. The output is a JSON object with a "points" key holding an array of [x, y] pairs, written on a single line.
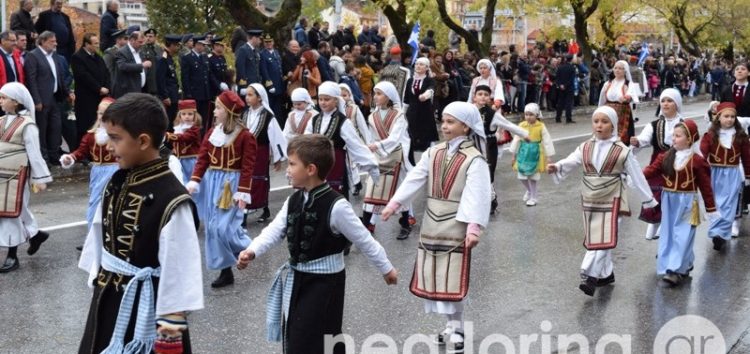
{"points": [[317, 222], [145, 228]]}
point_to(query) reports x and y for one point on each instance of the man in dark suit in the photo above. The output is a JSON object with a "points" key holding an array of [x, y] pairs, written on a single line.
{"points": [[166, 76], [108, 25], [195, 82], [247, 61], [20, 21], [11, 69], [92, 83], [56, 21], [564, 82], [130, 72], [44, 79]]}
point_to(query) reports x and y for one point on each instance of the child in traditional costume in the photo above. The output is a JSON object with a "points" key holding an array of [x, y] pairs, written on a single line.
{"points": [[684, 173], [301, 114], [186, 139], [306, 300], [607, 163], [458, 195], [354, 114], [726, 148], [658, 135], [145, 228], [619, 93], [226, 158], [22, 168], [531, 157], [259, 119], [390, 142]]}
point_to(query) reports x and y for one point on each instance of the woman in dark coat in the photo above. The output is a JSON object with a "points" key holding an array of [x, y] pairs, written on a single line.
{"points": [[421, 117]]}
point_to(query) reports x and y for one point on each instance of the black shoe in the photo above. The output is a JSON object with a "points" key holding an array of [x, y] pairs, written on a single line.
{"points": [[265, 216], [718, 243], [10, 265], [357, 189], [225, 278], [606, 281], [37, 241], [493, 206], [80, 248], [672, 278], [588, 286], [404, 233]]}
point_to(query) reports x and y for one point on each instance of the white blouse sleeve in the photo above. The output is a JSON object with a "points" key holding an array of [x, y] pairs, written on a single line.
{"points": [[567, 165], [549, 146], [272, 234], [509, 126], [91, 254], [414, 181], [358, 151], [277, 140], [288, 133], [364, 128], [638, 181], [393, 141], [515, 144], [603, 93], [39, 171], [499, 94], [344, 221], [644, 138]]}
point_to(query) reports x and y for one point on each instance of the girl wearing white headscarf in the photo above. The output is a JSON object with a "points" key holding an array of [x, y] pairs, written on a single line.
{"points": [[390, 141], [420, 112], [18, 105], [354, 114], [458, 184], [303, 109], [332, 123], [260, 121], [619, 93], [603, 189], [487, 76]]}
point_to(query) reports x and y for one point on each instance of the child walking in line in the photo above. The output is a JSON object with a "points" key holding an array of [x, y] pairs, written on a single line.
{"points": [[301, 114], [354, 114], [186, 139], [458, 197], [606, 163], [684, 174], [530, 157]]}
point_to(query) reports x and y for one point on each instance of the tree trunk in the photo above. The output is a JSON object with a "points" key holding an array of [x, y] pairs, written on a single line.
{"points": [[473, 43], [279, 26], [581, 15], [400, 27]]}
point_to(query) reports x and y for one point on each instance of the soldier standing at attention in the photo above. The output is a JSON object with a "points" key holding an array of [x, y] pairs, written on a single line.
{"points": [[194, 71], [151, 52], [217, 75], [121, 39], [166, 76], [272, 75], [247, 61]]}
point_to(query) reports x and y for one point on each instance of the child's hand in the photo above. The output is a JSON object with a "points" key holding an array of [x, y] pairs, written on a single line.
{"points": [[626, 98], [634, 141], [551, 168], [372, 147], [391, 278], [277, 166], [241, 204], [386, 213], [246, 256], [67, 161], [38, 187], [471, 241]]}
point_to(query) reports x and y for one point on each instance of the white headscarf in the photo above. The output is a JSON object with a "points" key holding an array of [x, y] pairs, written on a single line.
{"points": [[346, 87], [330, 88], [261, 91], [627, 70], [425, 62], [533, 108], [469, 115], [674, 95], [20, 94], [489, 64], [300, 94], [389, 90], [611, 114], [337, 64]]}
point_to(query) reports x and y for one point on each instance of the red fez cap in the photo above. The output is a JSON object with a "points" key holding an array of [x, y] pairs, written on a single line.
{"points": [[396, 50], [724, 106], [186, 105], [231, 102]]}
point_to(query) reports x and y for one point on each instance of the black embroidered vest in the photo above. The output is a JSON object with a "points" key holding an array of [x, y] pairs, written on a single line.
{"points": [[333, 131], [261, 131], [136, 204], [308, 231], [657, 138]]}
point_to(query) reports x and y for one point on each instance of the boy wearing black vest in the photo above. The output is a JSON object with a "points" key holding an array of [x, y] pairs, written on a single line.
{"points": [[317, 222]]}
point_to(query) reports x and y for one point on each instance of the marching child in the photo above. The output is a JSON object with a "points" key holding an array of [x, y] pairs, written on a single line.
{"points": [[354, 114], [259, 119], [186, 139], [301, 114], [122, 260], [19, 141], [306, 303], [606, 162], [684, 173], [724, 146], [531, 157], [226, 160], [459, 192]]}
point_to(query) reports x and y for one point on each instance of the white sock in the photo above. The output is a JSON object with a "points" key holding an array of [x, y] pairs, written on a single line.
{"points": [[532, 188]]}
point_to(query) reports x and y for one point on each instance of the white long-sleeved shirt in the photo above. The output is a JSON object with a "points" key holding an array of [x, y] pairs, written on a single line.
{"points": [[358, 152], [276, 138], [295, 117], [644, 138], [612, 92]]}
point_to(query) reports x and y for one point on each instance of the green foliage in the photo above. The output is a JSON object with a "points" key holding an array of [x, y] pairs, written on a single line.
{"points": [[189, 16]]}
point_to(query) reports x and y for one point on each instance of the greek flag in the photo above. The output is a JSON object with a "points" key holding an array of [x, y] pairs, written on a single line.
{"points": [[414, 42], [644, 54]]}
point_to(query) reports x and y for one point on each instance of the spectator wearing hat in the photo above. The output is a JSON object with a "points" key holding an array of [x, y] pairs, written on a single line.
{"points": [[92, 84], [151, 52], [21, 22], [187, 44], [272, 76], [247, 61], [121, 39], [195, 82], [395, 73], [167, 86], [56, 21], [108, 25], [217, 64], [130, 69]]}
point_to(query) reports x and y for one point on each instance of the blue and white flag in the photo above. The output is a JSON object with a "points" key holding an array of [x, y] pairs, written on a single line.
{"points": [[414, 42], [644, 54]]}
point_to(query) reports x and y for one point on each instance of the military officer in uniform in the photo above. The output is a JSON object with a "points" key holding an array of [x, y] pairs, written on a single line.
{"points": [[272, 76], [194, 69], [166, 76], [150, 51], [247, 61], [121, 39], [187, 44], [218, 74]]}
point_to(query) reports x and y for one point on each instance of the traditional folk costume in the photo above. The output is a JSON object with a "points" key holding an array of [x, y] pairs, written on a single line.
{"points": [[20, 158], [227, 161], [492, 81], [613, 92], [458, 193], [306, 300], [658, 135], [420, 114], [186, 141], [142, 249], [341, 132], [532, 155], [607, 165], [389, 130], [297, 121], [271, 141], [354, 114], [680, 207], [724, 154]]}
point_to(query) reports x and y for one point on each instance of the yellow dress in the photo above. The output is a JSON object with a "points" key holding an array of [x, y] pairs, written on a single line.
{"points": [[538, 134]]}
